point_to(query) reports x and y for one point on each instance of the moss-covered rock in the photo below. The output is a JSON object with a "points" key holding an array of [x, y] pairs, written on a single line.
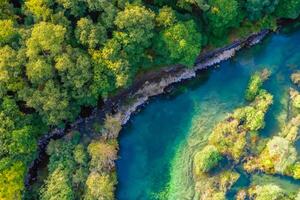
{"points": [[267, 192], [291, 129], [216, 187], [295, 77], [232, 135], [295, 171], [278, 156], [206, 159], [295, 98], [255, 83]]}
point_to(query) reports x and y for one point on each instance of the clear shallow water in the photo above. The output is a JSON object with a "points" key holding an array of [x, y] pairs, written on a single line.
{"points": [[156, 147]]}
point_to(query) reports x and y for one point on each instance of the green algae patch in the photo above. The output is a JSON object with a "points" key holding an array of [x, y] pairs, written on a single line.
{"points": [[215, 187], [231, 139], [206, 159], [263, 192], [255, 84], [279, 156], [232, 135]]}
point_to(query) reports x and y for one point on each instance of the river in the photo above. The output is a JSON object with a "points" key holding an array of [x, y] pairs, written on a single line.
{"points": [[157, 144]]}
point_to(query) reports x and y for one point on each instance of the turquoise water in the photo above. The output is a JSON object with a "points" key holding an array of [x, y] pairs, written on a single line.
{"points": [[157, 145]]}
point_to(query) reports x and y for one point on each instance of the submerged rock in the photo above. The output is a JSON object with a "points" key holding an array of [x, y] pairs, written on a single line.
{"points": [[206, 159], [295, 77], [267, 192]]}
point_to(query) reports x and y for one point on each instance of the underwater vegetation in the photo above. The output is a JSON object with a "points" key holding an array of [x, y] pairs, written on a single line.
{"points": [[235, 143]]}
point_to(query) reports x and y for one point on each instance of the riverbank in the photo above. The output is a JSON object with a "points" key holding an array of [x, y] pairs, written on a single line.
{"points": [[127, 102]]}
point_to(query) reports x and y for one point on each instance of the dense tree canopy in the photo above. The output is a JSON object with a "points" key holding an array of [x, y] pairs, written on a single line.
{"points": [[89, 34], [222, 15], [178, 42], [288, 9], [257, 8]]}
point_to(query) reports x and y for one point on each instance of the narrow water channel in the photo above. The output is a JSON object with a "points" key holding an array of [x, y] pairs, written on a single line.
{"points": [[156, 146]]}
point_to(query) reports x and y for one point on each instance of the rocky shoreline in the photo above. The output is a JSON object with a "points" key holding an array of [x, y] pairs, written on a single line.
{"points": [[126, 102]]}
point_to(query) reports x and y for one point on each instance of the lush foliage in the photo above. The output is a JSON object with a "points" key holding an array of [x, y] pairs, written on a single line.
{"points": [[58, 56]]}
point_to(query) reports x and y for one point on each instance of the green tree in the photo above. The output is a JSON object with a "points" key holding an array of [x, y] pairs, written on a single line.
{"points": [[180, 42], [222, 15], [166, 17], [75, 70], [111, 70], [107, 8], [13, 121], [80, 155], [257, 8], [11, 71], [187, 4], [288, 9], [51, 102], [6, 10], [89, 34], [254, 87], [135, 27], [23, 143], [7, 32], [39, 70], [12, 174], [57, 186], [46, 39], [61, 156], [40, 9], [102, 155], [100, 186], [75, 7]]}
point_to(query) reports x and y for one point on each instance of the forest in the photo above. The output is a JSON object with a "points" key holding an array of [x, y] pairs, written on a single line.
{"points": [[59, 56]]}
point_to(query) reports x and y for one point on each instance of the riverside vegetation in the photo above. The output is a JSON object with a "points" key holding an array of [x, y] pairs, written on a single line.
{"points": [[58, 56]]}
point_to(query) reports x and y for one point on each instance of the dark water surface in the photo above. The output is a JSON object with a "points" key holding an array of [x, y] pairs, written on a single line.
{"points": [[157, 145]]}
